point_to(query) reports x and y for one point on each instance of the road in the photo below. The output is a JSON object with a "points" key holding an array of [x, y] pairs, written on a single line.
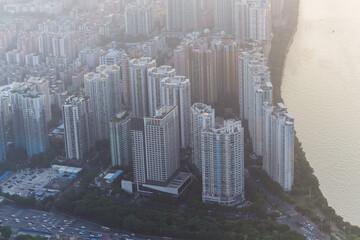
{"points": [[54, 222], [292, 218]]}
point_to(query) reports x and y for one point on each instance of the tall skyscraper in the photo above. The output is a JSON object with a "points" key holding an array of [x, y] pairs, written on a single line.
{"points": [[138, 18], [138, 74], [114, 73], [202, 117], [260, 20], [104, 91], [3, 138], [195, 59], [155, 144], [223, 16], [120, 139], [241, 20], [250, 63], [278, 156], [205, 13], [226, 67], [181, 15], [252, 20], [42, 86], [79, 139], [223, 164], [29, 119], [202, 73], [155, 75], [176, 91]]}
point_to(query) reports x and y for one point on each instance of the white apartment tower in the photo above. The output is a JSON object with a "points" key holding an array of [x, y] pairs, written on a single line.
{"points": [[155, 142], [278, 156], [155, 75], [223, 164], [260, 20], [138, 74], [202, 117], [120, 139], [176, 91], [77, 125]]}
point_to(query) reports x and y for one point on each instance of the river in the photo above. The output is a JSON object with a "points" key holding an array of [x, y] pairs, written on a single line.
{"points": [[321, 87]]}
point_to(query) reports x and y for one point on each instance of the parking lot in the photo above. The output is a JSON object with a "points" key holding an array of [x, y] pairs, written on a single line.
{"points": [[27, 183]]}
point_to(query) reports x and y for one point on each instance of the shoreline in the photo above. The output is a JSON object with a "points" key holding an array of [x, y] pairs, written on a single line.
{"points": [[305, 180]]}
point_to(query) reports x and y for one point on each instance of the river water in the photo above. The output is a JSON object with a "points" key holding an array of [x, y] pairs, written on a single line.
{"points": [[321, 87]]}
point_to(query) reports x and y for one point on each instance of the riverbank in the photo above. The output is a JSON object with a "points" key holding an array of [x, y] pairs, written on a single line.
{"points": [[306, 195]]}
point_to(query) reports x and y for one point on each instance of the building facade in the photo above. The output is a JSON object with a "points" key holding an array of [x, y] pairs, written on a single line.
{"points": [[202, 117], [155, 75], [223, 164], [278, 157], [79, 139], [120, 139], [29, 119], [176, 91], [138, 74], [155, 142]]}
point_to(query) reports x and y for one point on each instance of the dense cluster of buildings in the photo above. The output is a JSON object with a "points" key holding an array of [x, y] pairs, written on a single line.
{"points": [[150, 112]]}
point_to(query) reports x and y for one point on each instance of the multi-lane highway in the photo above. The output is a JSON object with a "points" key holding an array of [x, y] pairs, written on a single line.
{"points": [[57, 223]]}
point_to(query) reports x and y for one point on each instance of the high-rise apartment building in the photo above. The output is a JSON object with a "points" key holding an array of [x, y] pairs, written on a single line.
{"points": [[176, 91], [120, 139], [181, 15], [112, 57], [226, 67], [278, 157], [114, 73], [223, 164], [29, 119], [195, 59], [250, 62], [104, 91], [3, 138], [138, 74], [42, 86], [155, 75], [259, 20], [138, 18], [202, 117], [155, 146], [241, 20], [252, 20], [79, 139], [223, 16]]}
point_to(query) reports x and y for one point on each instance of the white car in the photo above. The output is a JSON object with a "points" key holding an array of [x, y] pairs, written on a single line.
{"points": [[82, 227]]}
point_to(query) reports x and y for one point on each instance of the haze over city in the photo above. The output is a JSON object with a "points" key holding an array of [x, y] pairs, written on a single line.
{"points": [[179, 119]]}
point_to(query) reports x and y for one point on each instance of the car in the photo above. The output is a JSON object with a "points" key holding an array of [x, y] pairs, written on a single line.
{"points": [[82, 227], [132, 234]]}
